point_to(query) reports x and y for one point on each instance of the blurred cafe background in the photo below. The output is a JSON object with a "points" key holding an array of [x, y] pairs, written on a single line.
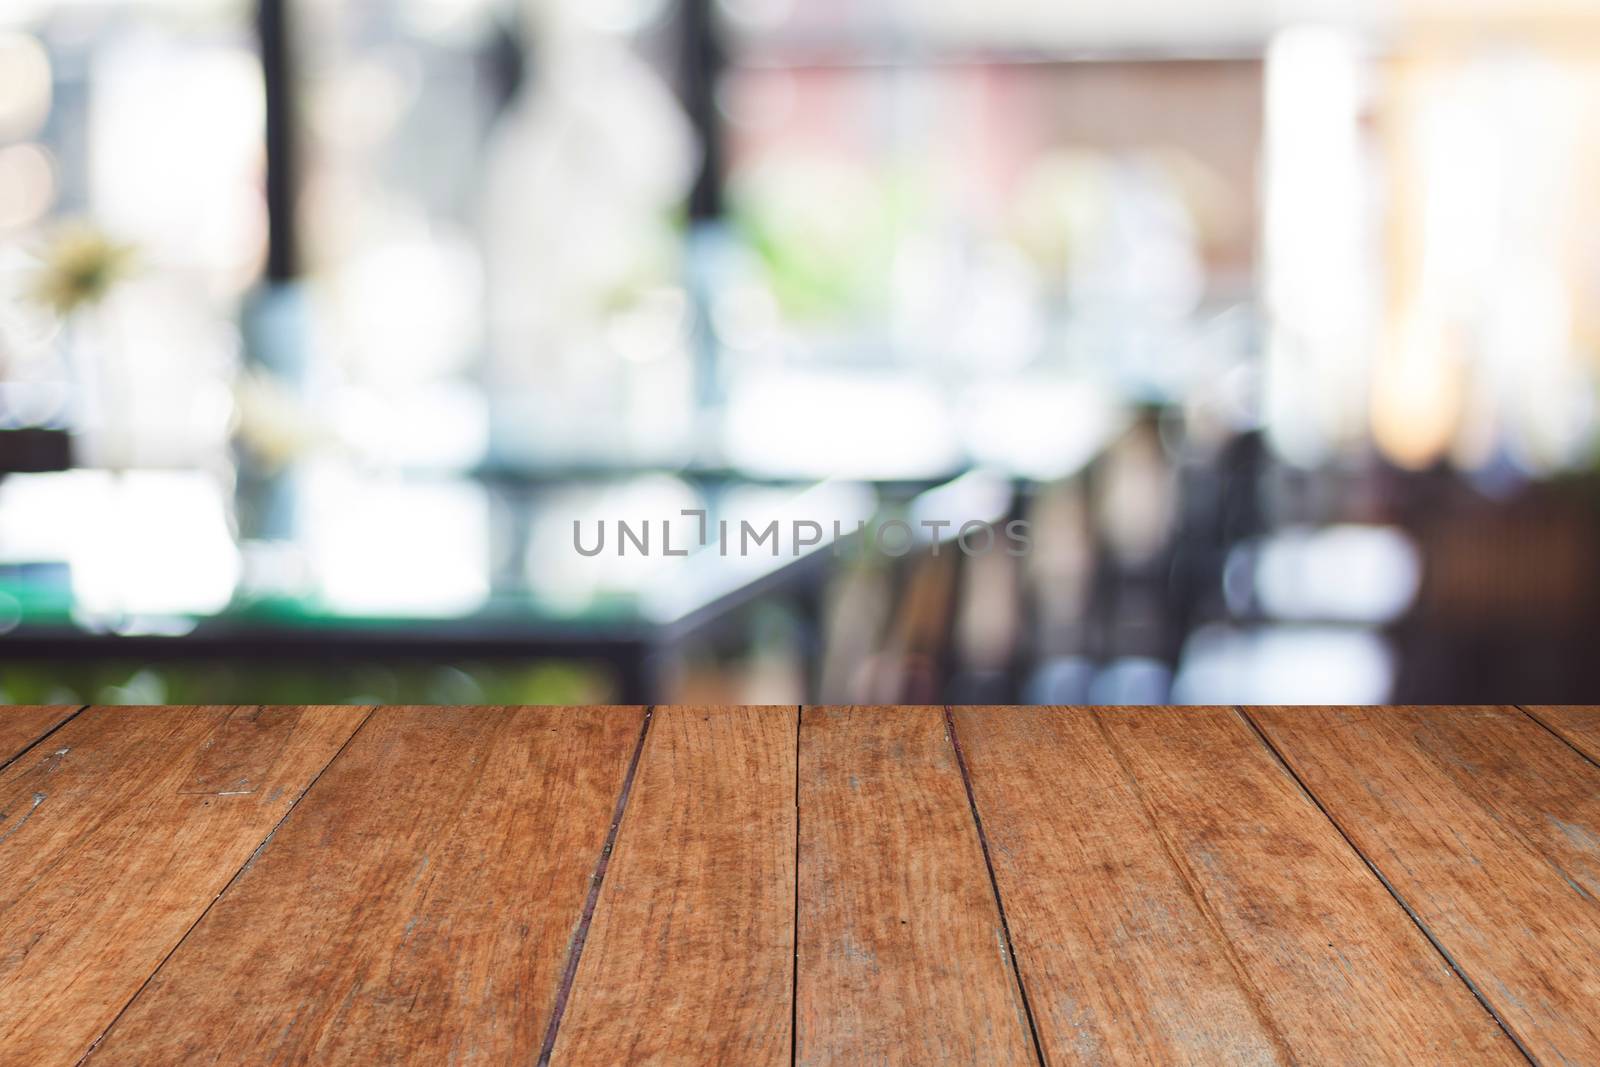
{"points": [[322, 322]]}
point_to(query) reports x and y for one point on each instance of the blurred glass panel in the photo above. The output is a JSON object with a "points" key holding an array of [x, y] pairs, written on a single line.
{"points": [[921, 26], [1321, 243], [127, 130], [381, 547], [1341, 573], [1284, 665], [138, 547], [493, 195], [1431, 238], [395, 101], [976, 218], [1489, 349]]}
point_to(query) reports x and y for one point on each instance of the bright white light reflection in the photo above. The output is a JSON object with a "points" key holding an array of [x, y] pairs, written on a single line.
{"points": [[1342, 573], [440, 426], [144, 543], [1319, 247], [1039, 429], [977, 496], [24, 85], [409, 308], [398, 548], [1284, 665], [839, 425], [176, 136]]}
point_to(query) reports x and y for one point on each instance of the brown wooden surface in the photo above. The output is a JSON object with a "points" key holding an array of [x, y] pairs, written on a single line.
{"points": [[1339, 969], [903, 956], [105, 864], [1122, 961], [690, 955], [240, 754], [753, 886], [22, 726], [420, 907], [1578, 727], [1488, 827]]}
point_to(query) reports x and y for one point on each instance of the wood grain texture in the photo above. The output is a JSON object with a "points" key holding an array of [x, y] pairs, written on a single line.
{"points": [[240, 754], [1120, 959], [690, 955], [22, 726], [902, 953], [105, 863], [291, 885], [417, 907], [1343, 975], [1577, 726], [1489, 828]]}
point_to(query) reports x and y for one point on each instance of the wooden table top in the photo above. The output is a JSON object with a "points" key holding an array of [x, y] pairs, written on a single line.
{"points": [[758, 886]]}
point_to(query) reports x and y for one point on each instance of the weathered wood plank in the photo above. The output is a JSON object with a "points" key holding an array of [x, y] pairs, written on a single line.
{"points": [[1172, 892], [240, 754], [22, 726], [417, 907], [1336, 964], [1121, 960], [902, 952], [105, 864], [689, 958], [1578, 726], [1489, 828]]}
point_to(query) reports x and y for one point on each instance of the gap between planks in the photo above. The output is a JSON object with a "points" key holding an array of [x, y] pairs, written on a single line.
{"points": [[1383, 879], [581, 934], [243, 867], [794, 926], [1195, 891], [1559, 736], [994, 882], [597, 878], [6, 761]]}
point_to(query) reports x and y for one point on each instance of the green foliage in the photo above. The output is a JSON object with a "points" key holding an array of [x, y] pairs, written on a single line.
{"points": [[551, 682]]}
